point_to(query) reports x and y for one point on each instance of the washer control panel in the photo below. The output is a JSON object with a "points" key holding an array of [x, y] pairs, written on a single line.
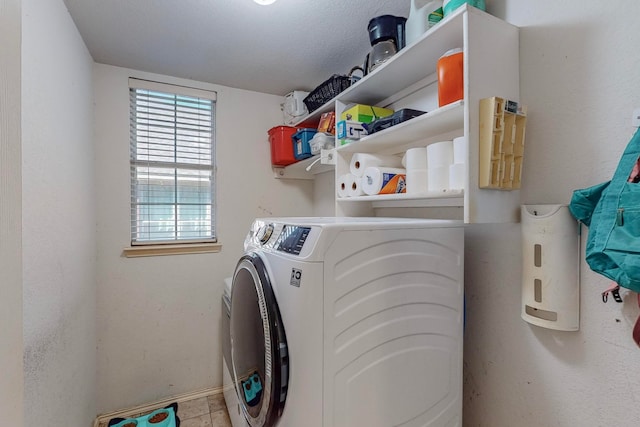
{"points": [[292, 238]]}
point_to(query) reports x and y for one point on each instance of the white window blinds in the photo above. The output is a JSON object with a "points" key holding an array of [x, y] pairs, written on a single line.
{"points": [[172, 163]]}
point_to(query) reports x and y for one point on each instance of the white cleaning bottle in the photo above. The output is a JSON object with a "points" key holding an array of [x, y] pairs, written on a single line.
{"points": [[419, 20]]}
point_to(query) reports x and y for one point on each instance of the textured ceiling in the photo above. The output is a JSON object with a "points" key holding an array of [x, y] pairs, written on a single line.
{"points": [[292, 44]]}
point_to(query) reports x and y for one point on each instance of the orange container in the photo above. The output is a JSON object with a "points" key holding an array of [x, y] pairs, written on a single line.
{"points": [[450, 80], [280, 138]]}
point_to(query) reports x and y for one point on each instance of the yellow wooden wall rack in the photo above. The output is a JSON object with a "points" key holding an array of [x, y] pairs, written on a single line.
{"points": [[502, 127]]}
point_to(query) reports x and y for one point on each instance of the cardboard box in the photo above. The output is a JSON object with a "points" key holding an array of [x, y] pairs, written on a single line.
{"points": [[365, 113], [327, 123]]}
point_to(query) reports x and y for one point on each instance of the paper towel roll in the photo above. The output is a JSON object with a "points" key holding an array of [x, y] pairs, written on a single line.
{"points": [[456, 176], [438, 178], [354, 186], [343, 182], [380, 180], [460, 149], [416, 158], [361, 161], [440, 154], [417, 181]]}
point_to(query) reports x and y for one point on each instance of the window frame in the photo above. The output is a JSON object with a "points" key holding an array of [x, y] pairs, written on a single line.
{"points": [[173, 245]]}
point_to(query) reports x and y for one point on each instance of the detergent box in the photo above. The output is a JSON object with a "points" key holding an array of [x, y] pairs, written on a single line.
{"points": [[365, 113]]}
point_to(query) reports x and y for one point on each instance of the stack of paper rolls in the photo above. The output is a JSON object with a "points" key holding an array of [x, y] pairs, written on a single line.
{"points": [[342, 184], [354, 186], [416, 164], [439, 159], [349, 185], [361, 161], [458, 168], [382, 180]]}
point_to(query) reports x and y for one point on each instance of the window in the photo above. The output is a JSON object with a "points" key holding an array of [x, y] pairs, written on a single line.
{"points": [[172, 164]]}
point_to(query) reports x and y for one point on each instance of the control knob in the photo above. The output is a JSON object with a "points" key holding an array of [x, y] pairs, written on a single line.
{"points": [[264, 234]]}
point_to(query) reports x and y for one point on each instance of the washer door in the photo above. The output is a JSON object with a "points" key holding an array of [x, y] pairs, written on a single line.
{"points": [[259, 353]]}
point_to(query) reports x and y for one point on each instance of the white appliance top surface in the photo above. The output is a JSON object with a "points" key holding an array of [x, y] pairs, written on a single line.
{"points": [[363, 222], [307, 238]]}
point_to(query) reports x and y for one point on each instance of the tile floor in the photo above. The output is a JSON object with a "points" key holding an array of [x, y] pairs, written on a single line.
{"points": [[207, 411]]}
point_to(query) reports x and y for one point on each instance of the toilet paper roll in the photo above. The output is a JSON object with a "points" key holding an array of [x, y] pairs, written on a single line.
{"points": [[378, 180], [361, 161], [416, 158], [438, 178], [417, 181], [460, 150], [343, 182], [404, 160], [456, 176], [440, 154], [354, 186]]}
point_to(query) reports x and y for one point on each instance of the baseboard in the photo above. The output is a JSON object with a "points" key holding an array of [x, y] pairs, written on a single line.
{"points": [[125, 413]]}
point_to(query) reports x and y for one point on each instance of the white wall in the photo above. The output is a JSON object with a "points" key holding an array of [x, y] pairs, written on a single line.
{"points": [[324, 196], [11, 384], [58, 207], [579, 77], [159, 317]]}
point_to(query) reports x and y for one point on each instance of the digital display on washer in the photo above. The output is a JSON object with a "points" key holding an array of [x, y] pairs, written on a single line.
{"points": [[292, 239]]}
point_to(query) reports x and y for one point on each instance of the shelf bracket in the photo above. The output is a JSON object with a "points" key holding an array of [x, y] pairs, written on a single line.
{"points": [[306, 169], [327, 157]]}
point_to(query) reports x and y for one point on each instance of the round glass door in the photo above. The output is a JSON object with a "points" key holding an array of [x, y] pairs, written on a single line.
{"points": [[258, 344]]}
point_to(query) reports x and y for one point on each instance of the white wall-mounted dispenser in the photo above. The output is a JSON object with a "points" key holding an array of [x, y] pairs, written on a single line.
{"points": [[551, 267]]}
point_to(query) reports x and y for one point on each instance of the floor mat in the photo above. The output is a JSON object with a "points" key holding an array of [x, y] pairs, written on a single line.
{"points": [[174, 420]]}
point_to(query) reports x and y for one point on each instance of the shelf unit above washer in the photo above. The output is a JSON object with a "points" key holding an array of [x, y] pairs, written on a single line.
{"points": [[407, 80]]}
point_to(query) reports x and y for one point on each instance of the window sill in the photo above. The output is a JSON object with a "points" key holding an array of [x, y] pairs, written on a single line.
{"points": [[171, 249]]}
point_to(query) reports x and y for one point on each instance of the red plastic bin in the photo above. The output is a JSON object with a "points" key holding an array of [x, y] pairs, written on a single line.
{"points": [[280, 139]]}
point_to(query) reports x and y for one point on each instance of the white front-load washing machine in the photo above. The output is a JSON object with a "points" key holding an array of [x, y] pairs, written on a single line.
{"points": [[346, 322]]}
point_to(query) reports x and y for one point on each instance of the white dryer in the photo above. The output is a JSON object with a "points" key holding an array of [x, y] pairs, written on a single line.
{"points": [[346, 322]]}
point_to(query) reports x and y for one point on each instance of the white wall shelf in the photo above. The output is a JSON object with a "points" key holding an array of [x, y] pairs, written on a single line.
{"points": [[449, 118], [443, 198], [403, 69], [408, 80]]}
